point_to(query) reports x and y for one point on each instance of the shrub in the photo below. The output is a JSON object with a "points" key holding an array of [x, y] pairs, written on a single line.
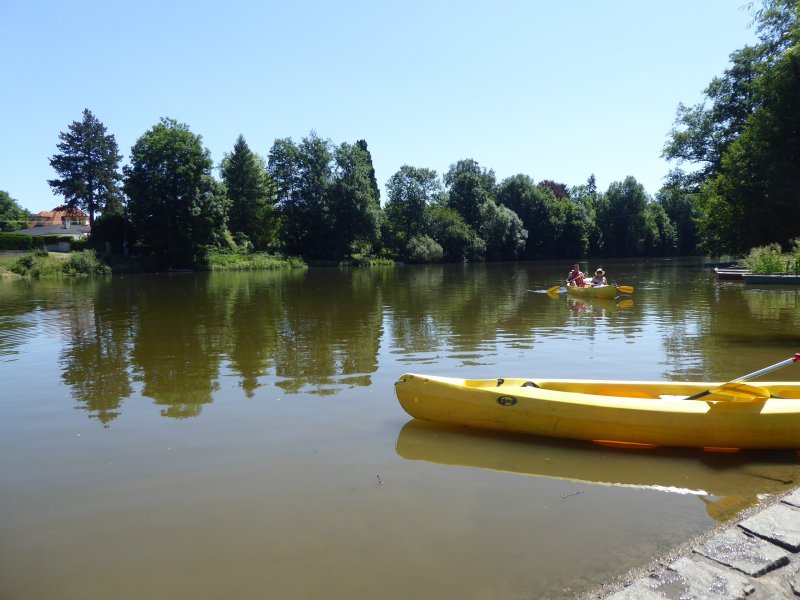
{"points": [[766, 259], [225, 261], [38, 264], [19, 241], [41, 264], [85, 262], [423, 249]]}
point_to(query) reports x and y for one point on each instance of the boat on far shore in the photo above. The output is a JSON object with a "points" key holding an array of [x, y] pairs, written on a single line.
{"points": [[772, 278], [730, 273]]}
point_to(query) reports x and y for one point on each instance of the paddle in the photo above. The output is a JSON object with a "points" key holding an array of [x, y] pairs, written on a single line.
{"points": [[555, 289], [736, 389], [625, 289]]}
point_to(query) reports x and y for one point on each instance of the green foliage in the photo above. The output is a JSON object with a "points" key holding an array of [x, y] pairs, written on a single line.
{"points": [[354, 202], [458, 240], [116, 229], [573, 228], [502, 231], [12, 216], [85, 263], [252, 196], [536, 207], [660, 237], [42, 264], [469, 187], [621, 218], [222, 261], [88, 167], [410, 190], [19, 241], [176, 207], [766, 259], [328, 198], [423, 249], [682, 212], [55, 239], [744, 141]]}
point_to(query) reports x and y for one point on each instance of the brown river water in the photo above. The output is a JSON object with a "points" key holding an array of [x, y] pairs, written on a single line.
{"points": [[236, 435]]}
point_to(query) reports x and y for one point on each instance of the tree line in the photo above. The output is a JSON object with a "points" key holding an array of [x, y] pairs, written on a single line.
{"points": [[321, 201]]}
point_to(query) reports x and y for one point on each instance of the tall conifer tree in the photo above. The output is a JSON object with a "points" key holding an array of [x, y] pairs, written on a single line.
{"points": [[88, 167]]}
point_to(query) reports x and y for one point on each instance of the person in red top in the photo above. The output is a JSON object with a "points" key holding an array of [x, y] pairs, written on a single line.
{"points": [[575, 276]]}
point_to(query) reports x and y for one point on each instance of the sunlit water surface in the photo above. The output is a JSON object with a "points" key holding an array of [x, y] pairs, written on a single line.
{"points": [[237, 435]]}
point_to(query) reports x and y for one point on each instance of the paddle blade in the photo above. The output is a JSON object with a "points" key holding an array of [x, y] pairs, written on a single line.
{"points": [[625, 289], [554, 290], [738, 392]]}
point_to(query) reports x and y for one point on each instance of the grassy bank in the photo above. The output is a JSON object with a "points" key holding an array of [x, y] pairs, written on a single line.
{"points": [[257, 261], [54, 264], [88, 263]]}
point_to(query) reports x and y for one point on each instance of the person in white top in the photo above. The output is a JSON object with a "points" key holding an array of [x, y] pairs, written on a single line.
{"points": [[599, 279]]}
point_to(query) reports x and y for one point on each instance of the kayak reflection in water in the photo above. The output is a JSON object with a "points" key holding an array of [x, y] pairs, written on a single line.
{"points": [[599, 279]]}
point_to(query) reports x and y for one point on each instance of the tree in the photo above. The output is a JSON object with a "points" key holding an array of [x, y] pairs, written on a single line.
{"points": [[559, 190], [682, 212], [745, 140], [88, 167], [303, 176], [251, 192], [620, 216], [354, 202], [410, 190], [459, 242], [12, 215], [469, 187], [660, 237], [536, 207], [175, 204], [503, 232]]}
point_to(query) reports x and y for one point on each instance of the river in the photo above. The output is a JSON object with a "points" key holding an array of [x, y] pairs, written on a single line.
{"points": [[208, 435]]}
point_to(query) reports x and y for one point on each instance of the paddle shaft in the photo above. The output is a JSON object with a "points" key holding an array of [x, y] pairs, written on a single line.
{"points": [[783, 363]]}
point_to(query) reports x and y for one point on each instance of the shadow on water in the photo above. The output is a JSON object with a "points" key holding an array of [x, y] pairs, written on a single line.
{"points": [[726, 483]]}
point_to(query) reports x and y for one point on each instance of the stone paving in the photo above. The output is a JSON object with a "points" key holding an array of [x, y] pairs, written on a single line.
{"points": [[757, 558]]}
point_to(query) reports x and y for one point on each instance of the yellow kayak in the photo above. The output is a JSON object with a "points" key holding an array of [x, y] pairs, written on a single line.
{"points": [[618, 412], [607, 291]]}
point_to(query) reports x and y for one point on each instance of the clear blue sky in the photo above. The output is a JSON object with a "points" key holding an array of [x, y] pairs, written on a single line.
{"points": [[554, 90]]}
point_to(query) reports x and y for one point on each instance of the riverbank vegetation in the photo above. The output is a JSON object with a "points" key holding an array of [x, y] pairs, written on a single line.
{"points": [[45, 264], [320, 202], [772, 259]]}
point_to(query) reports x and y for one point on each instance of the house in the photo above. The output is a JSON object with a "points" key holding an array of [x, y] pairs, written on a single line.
{"points": [[67, 222], [60, 217]]}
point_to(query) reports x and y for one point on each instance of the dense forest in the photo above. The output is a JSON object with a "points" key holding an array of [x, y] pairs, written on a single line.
{"points": [[736, 185]]}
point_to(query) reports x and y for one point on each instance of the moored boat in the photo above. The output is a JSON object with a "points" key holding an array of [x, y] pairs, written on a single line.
{"points": [[730, 274], [606, 291], [772, 279], [619, 412]]}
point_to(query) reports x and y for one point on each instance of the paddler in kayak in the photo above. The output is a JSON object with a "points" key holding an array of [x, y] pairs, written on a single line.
{"points": [[575, 276], [599, 279]]}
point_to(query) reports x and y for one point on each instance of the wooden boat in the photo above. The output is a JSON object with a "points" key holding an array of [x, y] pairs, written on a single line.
{"points": [[607, 291], [637, 413]]}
